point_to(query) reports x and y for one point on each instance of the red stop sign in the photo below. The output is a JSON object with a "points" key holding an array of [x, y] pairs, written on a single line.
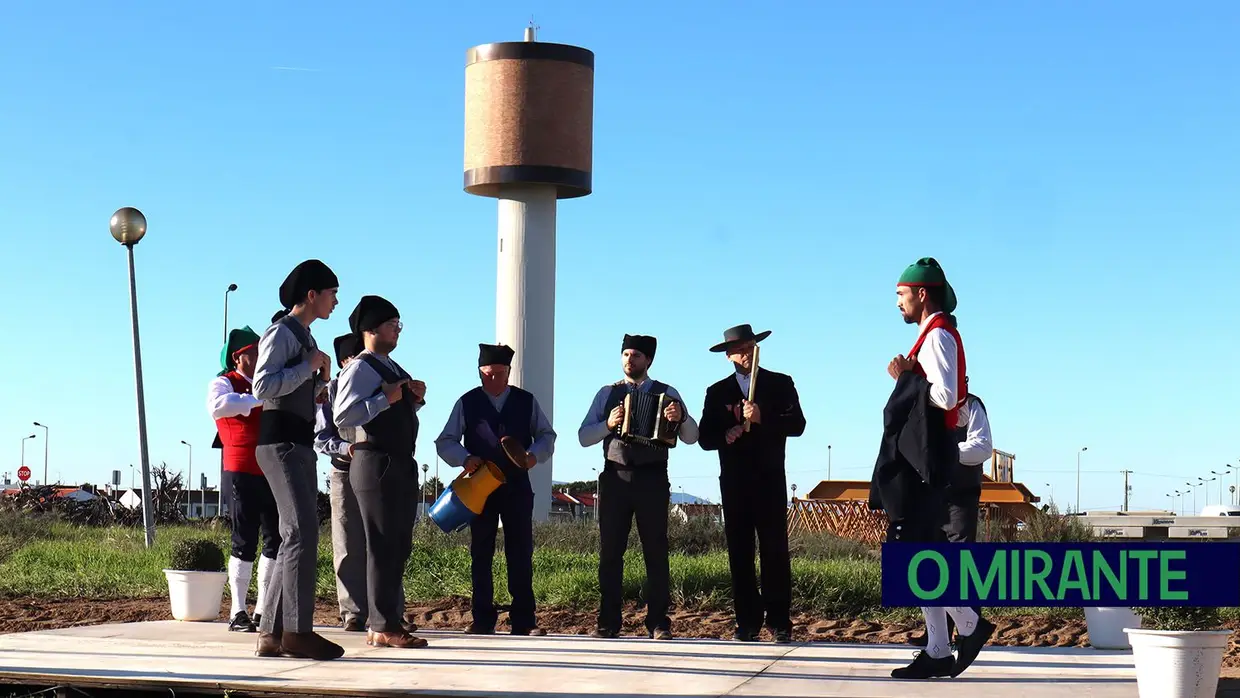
{"points": [[23, 473]]}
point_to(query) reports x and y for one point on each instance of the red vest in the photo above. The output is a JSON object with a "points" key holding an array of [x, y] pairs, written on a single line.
{"points": [[239, 434], [941, 321]]}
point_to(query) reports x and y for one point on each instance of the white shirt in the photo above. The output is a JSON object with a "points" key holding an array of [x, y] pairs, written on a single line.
{"points": [[223, 402], [937, 357], [977, 446]]}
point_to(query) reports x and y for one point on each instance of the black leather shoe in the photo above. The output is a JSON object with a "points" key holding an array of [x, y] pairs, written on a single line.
{"points": [[971, 645], [925, 667], [354, 625], [743, 635], [605, 633], [783, 637], [480, 630]]}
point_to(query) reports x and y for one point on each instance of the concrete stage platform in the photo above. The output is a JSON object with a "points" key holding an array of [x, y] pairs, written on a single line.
{"points": [[203, 658]]}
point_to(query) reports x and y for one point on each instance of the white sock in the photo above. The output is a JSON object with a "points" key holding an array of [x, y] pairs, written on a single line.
{"points": [[965, 619], [937, 644], [239, 572], [266, 566]]}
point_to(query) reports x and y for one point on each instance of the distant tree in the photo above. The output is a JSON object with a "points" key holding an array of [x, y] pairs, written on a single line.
{"points": [[587, 486]]}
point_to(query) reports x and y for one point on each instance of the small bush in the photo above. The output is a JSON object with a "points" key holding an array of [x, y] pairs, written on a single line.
{"points": [[1180, 617], [1051, 527], [197, 555]]}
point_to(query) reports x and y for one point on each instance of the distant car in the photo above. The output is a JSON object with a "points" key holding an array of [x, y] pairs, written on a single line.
{"points": [[1220, 510]]}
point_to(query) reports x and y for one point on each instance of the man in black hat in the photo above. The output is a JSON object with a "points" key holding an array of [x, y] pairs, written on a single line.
{"points": [[348, 537], [291, 372], [634, 484], [752, 480], [504, 425], [379, 401]]}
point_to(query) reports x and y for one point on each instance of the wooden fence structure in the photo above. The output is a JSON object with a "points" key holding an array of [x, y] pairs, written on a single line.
{"points": [[841, 507]]}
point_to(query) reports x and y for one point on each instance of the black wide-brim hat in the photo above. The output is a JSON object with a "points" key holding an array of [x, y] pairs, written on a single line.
{"points": [[739, 335]]}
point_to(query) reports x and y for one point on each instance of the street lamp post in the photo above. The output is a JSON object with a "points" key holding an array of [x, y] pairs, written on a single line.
{"points": [[828, 461], [1078, 477], [45, 434], [189, 480], [23, 462], [128, 226]]}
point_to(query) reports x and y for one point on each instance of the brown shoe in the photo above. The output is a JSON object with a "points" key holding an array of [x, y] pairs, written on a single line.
{"points": [[311, 645], [401, 639], [268, 646]]}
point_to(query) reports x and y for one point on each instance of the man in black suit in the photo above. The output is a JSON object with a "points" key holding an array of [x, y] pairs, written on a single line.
{"points": [[752, 480]]}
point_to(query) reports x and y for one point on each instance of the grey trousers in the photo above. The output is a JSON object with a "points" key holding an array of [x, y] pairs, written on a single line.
{"points": [[348, 548], [292, 472], [386, 489]]}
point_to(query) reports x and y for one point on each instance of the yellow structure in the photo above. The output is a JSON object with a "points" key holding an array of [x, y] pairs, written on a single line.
{"points": [[842, 506]]}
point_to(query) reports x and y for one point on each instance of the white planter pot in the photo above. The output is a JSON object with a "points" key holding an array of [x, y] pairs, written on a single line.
{"points": [[1177, 663], [1106, 626], [195, 595]]}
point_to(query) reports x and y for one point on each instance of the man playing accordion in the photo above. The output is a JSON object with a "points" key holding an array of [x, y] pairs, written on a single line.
{"points": [[637, 419]]}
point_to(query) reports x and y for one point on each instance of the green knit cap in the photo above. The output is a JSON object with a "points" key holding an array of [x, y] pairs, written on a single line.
{"points": [[927, 272], [237, 340]]}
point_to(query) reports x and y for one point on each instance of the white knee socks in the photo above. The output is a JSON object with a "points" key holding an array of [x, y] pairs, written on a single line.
{"points": [[266, 566], [239, 573], [965, 619], [938, 644]]}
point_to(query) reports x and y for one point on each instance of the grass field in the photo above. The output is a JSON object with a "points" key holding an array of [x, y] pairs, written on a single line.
{"points": [[832, 577]]}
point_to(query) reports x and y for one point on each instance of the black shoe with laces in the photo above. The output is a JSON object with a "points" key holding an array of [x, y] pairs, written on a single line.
{"points": [[925, 667], [241, 623], [971, 645]]}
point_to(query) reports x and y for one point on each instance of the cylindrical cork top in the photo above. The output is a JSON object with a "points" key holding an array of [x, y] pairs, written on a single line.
{"points": [[529, 117]]}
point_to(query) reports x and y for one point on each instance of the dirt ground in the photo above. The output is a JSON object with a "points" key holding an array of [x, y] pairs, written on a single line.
{"points": [[29, 614]]}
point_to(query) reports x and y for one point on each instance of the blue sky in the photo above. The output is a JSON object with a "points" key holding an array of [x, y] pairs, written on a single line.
{"points": [[1071, 166]]}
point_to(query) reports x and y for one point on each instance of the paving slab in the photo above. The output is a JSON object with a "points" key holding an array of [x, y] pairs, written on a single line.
{"points": [[205, 656]]}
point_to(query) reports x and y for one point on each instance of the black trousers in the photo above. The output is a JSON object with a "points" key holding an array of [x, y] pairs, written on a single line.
{"points": [[252, 510], [960, 525], [387, 493], [513, 503], [644, 495], [758, 504]]}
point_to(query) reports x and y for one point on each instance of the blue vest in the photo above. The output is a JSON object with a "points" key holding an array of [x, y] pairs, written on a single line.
{"points": [[484, 427]]}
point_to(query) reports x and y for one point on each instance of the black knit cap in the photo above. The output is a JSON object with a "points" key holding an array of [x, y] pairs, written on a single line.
{"points": [[643, 343], [371, 311], [310, 275], [347, 345], [490, 354]]}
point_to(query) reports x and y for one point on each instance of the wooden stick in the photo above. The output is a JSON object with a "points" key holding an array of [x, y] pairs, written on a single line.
{"points": [[753, 380]]}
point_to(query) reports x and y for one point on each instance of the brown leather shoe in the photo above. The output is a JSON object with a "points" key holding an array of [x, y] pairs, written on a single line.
{"points": [[400, 639], [268, 646], [310, 645]]}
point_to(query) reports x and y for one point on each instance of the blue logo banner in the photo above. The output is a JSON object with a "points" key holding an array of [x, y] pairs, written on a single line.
{"points": [[1164, 573]]}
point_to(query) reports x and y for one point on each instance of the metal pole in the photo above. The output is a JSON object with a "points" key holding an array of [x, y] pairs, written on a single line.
{"points": [[828, 461], [46, 434], [148, 513], [220, 508]]}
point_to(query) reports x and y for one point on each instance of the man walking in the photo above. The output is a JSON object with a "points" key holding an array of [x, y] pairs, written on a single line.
{"points": [[634, 484], [910, 482], [751, 438]]}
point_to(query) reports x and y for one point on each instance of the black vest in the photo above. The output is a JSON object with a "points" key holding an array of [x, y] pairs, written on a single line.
{"points": [[282, 420], [393, 431], [966, 477], [484, 427], [625, 456]]}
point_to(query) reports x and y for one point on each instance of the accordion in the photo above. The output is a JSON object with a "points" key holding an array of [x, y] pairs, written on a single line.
{"points": [[644, 423]]}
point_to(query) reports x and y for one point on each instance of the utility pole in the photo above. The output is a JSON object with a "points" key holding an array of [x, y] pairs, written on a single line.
{"points": [[1127, 488]]}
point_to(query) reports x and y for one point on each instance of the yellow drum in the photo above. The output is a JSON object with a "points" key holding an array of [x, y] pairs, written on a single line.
{"points": [[464, 499]]}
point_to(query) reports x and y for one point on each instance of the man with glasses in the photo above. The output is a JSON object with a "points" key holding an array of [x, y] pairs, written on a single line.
{"points": [[379, 401]]}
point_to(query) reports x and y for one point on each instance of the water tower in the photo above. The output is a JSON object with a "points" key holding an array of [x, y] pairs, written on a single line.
{"points": [[529, 141]]}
